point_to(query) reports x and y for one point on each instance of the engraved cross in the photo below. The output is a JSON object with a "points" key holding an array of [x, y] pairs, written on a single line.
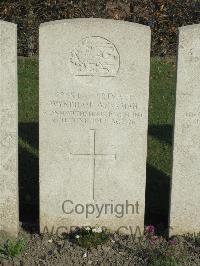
{"points": [[93, 156]]}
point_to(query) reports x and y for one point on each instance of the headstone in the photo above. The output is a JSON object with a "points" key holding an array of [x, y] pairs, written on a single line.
{"points": [[8, 129], [94, 90], [185, 200]]}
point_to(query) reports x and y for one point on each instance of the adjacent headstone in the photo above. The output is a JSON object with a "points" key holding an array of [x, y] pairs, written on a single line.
{"points": [[8, 129], [94, 90], [185, 200]]}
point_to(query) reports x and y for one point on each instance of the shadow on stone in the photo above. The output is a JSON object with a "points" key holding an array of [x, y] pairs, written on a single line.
{"points": [[161, 132], [29, 176], [157, 199]]}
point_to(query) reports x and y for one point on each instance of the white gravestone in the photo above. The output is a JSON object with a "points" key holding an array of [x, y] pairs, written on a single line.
{"points": [[185, 198], [94, 90], [8, 129]]}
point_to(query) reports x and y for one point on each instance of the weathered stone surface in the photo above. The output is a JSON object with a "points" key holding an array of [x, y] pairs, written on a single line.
{"points": [[185, 198], [8, 129], [94, 88]]}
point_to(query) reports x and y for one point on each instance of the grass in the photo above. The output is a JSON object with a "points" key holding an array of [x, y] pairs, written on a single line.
{"points": [[161, 113], [28, 94], [88, 237], [12, 248], [28, 89]]}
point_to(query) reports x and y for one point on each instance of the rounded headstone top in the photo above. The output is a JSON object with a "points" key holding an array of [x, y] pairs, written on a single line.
{"points": [[3, 22], [189, 27], [95, 21]]}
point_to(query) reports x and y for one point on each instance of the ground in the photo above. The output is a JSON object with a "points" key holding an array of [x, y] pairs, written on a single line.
{"points": [[118, 250]]}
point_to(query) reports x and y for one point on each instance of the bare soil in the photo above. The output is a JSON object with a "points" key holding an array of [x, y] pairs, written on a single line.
{"points": [[119, 250]]}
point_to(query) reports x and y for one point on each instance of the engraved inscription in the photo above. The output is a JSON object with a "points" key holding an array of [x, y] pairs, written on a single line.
{"points": [[192, 118], [95, 56], [98, 108], [93, 156]]}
